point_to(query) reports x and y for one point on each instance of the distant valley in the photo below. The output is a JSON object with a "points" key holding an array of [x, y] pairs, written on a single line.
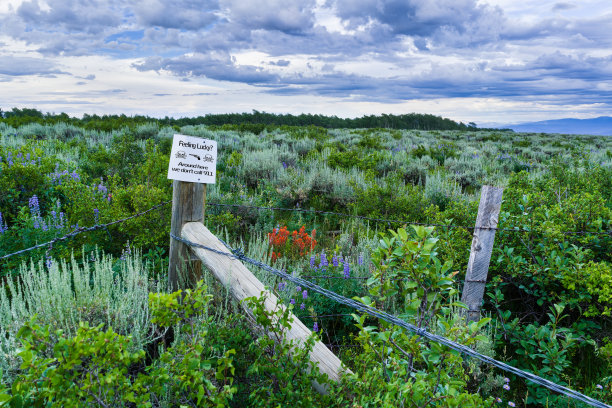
{"points": [[597, 126]]}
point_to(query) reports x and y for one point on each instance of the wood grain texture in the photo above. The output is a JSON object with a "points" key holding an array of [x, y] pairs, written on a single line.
{"points": [[187, 206], [241, 283], [480, 252]]}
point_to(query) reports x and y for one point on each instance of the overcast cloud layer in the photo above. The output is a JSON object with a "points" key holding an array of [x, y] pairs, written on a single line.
{"points": [[485, 61]]}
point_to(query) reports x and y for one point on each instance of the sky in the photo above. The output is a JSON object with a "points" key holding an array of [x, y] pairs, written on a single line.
{"points": [[482, 61]]}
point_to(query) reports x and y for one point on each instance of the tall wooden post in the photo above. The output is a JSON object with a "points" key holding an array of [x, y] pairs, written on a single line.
{"points": [[188, 203], [482, 247]]}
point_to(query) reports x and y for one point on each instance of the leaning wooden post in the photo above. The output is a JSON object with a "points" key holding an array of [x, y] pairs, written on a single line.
{"points": [[187, 206], [242, 283], [482, 247]]}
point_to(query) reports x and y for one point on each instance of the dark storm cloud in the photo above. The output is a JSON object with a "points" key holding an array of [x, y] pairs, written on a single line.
{"points": [[180, 14], [198, 38], [290, 17], [467, 19]]}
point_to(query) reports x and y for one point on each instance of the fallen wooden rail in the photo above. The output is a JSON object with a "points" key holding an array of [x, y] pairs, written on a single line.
{"points": [[242, 284]]}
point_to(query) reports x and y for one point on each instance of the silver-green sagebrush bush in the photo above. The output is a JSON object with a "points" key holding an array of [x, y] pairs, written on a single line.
{"points": [[97, 290]]}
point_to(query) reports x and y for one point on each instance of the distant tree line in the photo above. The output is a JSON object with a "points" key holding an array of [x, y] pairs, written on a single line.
{"points": [[17, 117]]}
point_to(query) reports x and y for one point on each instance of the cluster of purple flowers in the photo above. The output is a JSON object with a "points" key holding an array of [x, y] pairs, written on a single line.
{"points": [[126, 251], [58, 176], [3, 227], [506, 387], [102, 190], [24, 161], [38, 221], [56, 221], [337, 261], [298, 290]]}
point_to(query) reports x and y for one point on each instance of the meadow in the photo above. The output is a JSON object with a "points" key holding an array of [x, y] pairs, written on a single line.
{"points": [[89, 320]]}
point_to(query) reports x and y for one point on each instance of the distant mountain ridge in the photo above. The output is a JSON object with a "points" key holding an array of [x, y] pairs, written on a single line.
{"points": [[601, 126]]}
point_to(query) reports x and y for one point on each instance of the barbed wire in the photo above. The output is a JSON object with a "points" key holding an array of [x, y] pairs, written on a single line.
{"points": [[80, 230], [239, 255], [389, 221]]}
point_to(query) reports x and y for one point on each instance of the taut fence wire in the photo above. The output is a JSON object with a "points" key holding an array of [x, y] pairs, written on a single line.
{"points": [[392, 221], [239, 254], [80, 230]]}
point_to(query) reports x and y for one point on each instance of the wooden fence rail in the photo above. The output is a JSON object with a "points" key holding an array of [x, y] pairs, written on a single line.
{"points": [[242, 284]]}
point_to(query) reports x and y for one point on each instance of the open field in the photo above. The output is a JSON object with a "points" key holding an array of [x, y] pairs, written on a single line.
{"points": [[547, 305]]}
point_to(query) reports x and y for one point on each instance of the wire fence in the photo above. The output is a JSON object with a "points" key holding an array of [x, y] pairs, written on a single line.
{"points": [[80, 230], [392, 221], [239, 255]]}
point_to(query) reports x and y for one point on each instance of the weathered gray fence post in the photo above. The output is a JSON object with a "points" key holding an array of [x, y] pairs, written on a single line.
{"points": [[188, 203], [480, 253]]}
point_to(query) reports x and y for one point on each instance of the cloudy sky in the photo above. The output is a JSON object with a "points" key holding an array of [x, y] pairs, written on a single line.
{"points": [[487, 61]]}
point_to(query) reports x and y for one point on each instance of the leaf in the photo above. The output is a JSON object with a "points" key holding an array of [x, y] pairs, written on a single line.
{"points": [[402, 234]]}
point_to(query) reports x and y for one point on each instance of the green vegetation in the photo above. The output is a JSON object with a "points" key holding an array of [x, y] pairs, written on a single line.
{"points": [[89, 322], [255, 122]]}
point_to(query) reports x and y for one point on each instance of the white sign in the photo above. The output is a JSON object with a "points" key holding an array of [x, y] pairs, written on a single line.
{"points": [[193, 159]]}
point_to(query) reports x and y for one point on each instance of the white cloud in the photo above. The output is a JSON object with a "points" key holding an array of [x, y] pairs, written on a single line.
{"points": [[341, 56]]}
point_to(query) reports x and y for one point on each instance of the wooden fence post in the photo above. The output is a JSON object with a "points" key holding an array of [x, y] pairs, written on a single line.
{"points": [[188, 204], [480, 253]]}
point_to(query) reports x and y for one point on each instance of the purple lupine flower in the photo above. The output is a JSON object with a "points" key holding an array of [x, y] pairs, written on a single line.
{"points": [[102, 189], [96, 215], [347, 270], [305, 294], [285, 165], [61, 220], [34, 205], [43, 225], [360, 260], [312, 261], [3, 227], [335, 260], [315, 328], [49, 261], [324, 262]]}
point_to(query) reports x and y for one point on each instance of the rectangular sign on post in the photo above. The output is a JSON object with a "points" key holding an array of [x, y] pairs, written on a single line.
{"points": [[193, 159]]}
